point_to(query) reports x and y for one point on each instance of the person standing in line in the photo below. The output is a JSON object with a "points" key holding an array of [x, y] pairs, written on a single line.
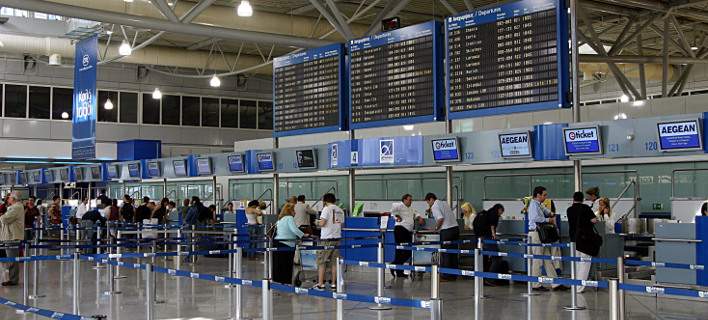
{"points": [[405, 217], [82, 208], [286, 235], [127, 211], [4, 204], [303, 212], [591, 196], [143, 211], [31, 215], [537, 214], [330, 222], [485, 227], [252, 213], [55, 211], [12, 225], [114, 214], [103, 198], [580, 221], [446, 224]]}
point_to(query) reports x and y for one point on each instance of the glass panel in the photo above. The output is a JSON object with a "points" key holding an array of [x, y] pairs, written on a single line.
{"points": [[190, 111], [396, 188], [370, 189], [62, 100], [248, 114], [15, 101], [296, 188], [170, 110], [241, 191], [151, 109], [210, 112], [39, 102], [128, 107], [229, 113], [265, 115], [107, 115]]}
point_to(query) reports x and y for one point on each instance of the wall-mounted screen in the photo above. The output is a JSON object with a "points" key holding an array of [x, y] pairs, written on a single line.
{"points": [[64, 174], [265, 161], [36, 176], [446, 149], [134, 170], [154, 169], [95, 173], [180, 168], [306, 159], [49, 174], [79, 174], [113, 171], [582, 141], [679, 135], [203, 166], [515, 145], [236, 163]]}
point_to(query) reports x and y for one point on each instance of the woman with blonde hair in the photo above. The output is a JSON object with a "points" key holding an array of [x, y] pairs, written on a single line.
{"points": [[286, 235], [604, 213], [468, 214]]}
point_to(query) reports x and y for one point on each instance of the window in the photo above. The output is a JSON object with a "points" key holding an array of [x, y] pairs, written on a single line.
{"points": [[248, 114], [210, 112], [128, 107], [107, 115], [265, 115], [39, 102], [229, 113], [15, 101], [62, 99], [151, 109], [170, 110], [190, 111]]}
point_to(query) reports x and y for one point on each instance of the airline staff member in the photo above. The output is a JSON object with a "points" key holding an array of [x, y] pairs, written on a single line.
{"points": [[405, 217], [446, 224]]}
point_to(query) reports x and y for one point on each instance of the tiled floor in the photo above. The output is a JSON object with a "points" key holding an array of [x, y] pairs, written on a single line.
{"points": [[184, 298]]}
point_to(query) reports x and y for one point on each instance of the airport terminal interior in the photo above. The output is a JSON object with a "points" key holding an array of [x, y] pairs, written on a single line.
{"points": [[354, 159]]}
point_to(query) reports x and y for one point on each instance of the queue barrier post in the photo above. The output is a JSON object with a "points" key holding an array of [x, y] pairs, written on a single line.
{"points": [[62, 237], [99, 233], [25, 275], [614, 299], [118, 251], [573, 289], [266, 294], [620, 292], [238, 313], [380, 274], [77, 236], [75, 284], [478, 281], [194, 245], [179, 247], [149, 293], [340, 288], [529, 266], [435, 301], [165, 235], [35, 271]]}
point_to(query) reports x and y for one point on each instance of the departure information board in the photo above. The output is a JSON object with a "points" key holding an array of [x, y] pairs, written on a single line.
{"points": [[307, 91], [395, 77], [507, 58]]}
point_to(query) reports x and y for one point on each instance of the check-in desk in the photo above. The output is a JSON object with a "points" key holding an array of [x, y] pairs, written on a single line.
{"points": [[680, 243]]}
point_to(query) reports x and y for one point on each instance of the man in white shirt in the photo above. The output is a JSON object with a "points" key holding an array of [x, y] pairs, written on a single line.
{"points": [[446, 224], [330, 222], [82, 209], [405, 217], [303, 213]]}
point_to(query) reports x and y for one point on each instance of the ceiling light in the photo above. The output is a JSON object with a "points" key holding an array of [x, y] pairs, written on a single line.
{"points": [[621, 116], [128, 0], [215, 82], [408, 127], [108, 105], [109, 32], [125, 49], [244, 9], [638, 103], [157, 94], [65, 115], [548, 123], [694, 48], [624, 98], [1, 44]]}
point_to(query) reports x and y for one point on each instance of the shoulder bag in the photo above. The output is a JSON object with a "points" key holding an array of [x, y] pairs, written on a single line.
{"points": [[547, 232]]}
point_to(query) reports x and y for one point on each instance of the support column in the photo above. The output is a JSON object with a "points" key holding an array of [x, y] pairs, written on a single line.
{"points": [[164, 188], [577, 166], [351, 180], [276, 184], [449, 183]]}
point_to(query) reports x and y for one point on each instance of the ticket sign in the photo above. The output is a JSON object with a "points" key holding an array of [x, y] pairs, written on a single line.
{"points": [[446, 150], [236, 163], [265, 161], [582, 141], [679, 135], [515, 145]]}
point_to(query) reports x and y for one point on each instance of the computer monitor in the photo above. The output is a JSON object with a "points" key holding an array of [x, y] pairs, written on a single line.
{"points": [[515, 145], [265, 161], [113, 171], [79, 173], [154, 169], [236, 163], [134, 170], [684, 135], [306, 159], [582, 141], [446, 149], [203, 166], [180, 168]]}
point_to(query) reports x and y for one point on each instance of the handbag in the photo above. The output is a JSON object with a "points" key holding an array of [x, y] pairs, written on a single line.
{"points": [[588, 242], [547, 232]]}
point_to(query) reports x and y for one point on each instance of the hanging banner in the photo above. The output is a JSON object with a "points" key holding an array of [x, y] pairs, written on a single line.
{"points": [[85, 107]]}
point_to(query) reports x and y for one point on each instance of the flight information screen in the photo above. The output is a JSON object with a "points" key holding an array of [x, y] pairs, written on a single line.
{"points": [[507, 58], [308, 92], [394, 77]]}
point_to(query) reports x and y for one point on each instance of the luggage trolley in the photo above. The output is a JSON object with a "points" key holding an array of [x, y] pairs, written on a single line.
{"points": [[425, 258], [305, 263]]}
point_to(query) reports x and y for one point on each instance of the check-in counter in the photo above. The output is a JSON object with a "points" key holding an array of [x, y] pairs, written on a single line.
{"points": [[359, 230], [677, 243]]}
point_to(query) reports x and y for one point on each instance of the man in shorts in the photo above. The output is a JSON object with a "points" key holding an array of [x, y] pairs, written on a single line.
{"points": [[330, 222]]}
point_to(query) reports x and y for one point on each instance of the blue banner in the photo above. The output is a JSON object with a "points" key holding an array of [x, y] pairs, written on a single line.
{"points": [[83, 130]]}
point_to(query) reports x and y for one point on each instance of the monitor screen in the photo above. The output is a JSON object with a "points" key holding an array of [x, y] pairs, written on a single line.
{"points": [[134, 170], [306, 159], [37, 176], [79, 173], [266, 161], [679, 135], [236, 163], [49, 174], [180, 168], [203, 166], [581, 141], [64, 175], [446, 149], [113, 171], [154, 168], [96, 173], [515, 145]]}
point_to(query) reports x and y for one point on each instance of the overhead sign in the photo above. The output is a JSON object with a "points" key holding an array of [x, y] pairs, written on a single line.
{"points": [[154, 168], [236, 163], [83, 130], [134, 170], [204, 166], [582, 141], [333, 155], [265, 161], [386, 152], [180, 168], [446, 150], [515, 145], [679, 135]]}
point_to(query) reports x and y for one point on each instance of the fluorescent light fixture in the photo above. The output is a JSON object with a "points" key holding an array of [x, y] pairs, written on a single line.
{"points": [[129, 1], [157, 94], [548, 122], [65, 115], [244, 9], [694, 48], [620, 116], [408, 127], [108, 105], [109, 32], [215, 82], [624, 98], [638, 103], [125, 49]]}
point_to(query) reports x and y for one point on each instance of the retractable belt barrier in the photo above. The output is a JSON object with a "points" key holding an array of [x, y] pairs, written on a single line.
{"points": [[42, 312]]}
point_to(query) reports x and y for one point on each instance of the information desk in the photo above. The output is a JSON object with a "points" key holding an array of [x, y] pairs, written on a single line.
{"points": [[514, 54]]}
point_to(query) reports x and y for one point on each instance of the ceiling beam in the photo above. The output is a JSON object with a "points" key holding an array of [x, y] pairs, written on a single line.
{"points": [[162, 25], [449, 7], [202, 44], [165, 10]]}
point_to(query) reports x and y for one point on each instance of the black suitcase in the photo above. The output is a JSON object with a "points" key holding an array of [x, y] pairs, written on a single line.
{"points": [[501, 266]]}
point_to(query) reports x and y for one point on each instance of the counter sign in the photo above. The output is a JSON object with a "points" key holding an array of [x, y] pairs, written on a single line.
{"points": [[679, 135], [445, 150], [515, 145], [581, 141]]}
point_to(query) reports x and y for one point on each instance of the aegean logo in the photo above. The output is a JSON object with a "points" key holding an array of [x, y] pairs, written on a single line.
{"points": [[85, 60]]}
